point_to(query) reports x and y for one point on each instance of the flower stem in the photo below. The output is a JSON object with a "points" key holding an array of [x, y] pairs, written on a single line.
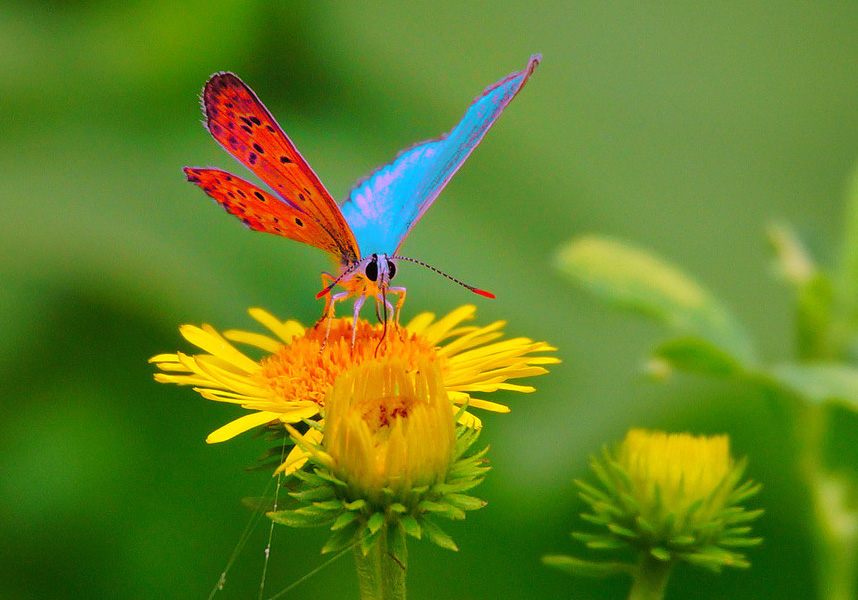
{"points": [[835, 512], [650, 579], [381, 576]]}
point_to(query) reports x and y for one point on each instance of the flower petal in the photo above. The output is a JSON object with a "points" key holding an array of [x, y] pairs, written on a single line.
{"points": [[210, 341], [285, 330], [240, 425]]}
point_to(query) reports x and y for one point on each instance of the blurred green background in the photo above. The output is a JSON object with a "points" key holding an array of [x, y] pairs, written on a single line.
{"points": [[681, 128]]}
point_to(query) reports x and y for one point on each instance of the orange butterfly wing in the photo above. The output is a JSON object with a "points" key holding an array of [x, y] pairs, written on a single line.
{"points": [[259, 210], [244, 127]]}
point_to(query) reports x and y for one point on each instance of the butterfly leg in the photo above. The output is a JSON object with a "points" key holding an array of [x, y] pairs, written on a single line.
{"points": [[331, 300], [358, 304], [399, 291]]}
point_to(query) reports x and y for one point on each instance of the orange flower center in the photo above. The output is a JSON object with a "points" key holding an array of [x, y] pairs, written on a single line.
{"points": [[304, 369]]}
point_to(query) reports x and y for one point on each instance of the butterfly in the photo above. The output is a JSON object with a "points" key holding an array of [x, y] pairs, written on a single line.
{"points": [[364, 235]]}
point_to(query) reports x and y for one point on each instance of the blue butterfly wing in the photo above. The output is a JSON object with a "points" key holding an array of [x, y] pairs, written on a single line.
{"points": [[382, 209]]}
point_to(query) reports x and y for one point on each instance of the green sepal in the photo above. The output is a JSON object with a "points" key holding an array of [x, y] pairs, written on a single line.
{"points": [[607, 543], [644, 525], [660, 553], [586, 568], [746, 516], [437, 536], [683, 540], [602, 542], [302, 517], [331, 505], [622, 531], [355, 505], [344, 519], [311, 479], [740, 542], [715, 559], [314, 494], [444, 510], [397, 508], [462, 484], [464, 502], [591, 492], [342, 538], [375, 522], [411, 526], [330, 478], [368, 540]]}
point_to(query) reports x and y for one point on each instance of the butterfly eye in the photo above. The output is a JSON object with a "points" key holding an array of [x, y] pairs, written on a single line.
{"points": [[391, 269], [372, 269]]}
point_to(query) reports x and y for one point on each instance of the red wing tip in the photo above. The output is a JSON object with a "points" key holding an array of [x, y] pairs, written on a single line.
{"points": [[323, 293], [191, 174], [484, 293]]}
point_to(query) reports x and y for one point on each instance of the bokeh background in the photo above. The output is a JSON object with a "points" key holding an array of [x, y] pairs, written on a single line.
{"points": [[681, 127]]}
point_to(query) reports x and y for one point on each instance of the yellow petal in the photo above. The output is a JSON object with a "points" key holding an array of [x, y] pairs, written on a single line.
{"points": [[210, 341], [258, 340], [240, 425], [286, 331]]}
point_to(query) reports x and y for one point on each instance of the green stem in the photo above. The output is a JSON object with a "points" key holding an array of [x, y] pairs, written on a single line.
{"points": [[834, 512], [650, 579], [380, 575], [837, 531]]}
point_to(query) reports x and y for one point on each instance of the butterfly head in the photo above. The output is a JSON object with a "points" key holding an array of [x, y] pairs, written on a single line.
{"points": [[380, 269]]}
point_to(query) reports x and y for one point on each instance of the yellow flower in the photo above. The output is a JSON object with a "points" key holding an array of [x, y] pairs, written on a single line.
{"points": [[387, 426], [290, 382], [672, 496]]}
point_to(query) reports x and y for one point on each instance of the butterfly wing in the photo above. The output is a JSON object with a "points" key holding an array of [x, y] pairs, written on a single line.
{"points": [[244, 127], [383, 209], [259, 210]]}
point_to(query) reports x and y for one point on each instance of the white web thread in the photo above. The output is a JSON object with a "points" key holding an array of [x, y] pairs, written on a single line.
{"points": [[248, 531]]}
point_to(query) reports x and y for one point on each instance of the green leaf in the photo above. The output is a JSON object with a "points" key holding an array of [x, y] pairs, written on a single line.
{"points": [[586, 568], [637, 280], [697, 355], [819, 383]]}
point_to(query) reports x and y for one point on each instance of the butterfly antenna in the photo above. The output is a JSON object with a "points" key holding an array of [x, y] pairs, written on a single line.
{"points": [[450, 277], [343, 275]]}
